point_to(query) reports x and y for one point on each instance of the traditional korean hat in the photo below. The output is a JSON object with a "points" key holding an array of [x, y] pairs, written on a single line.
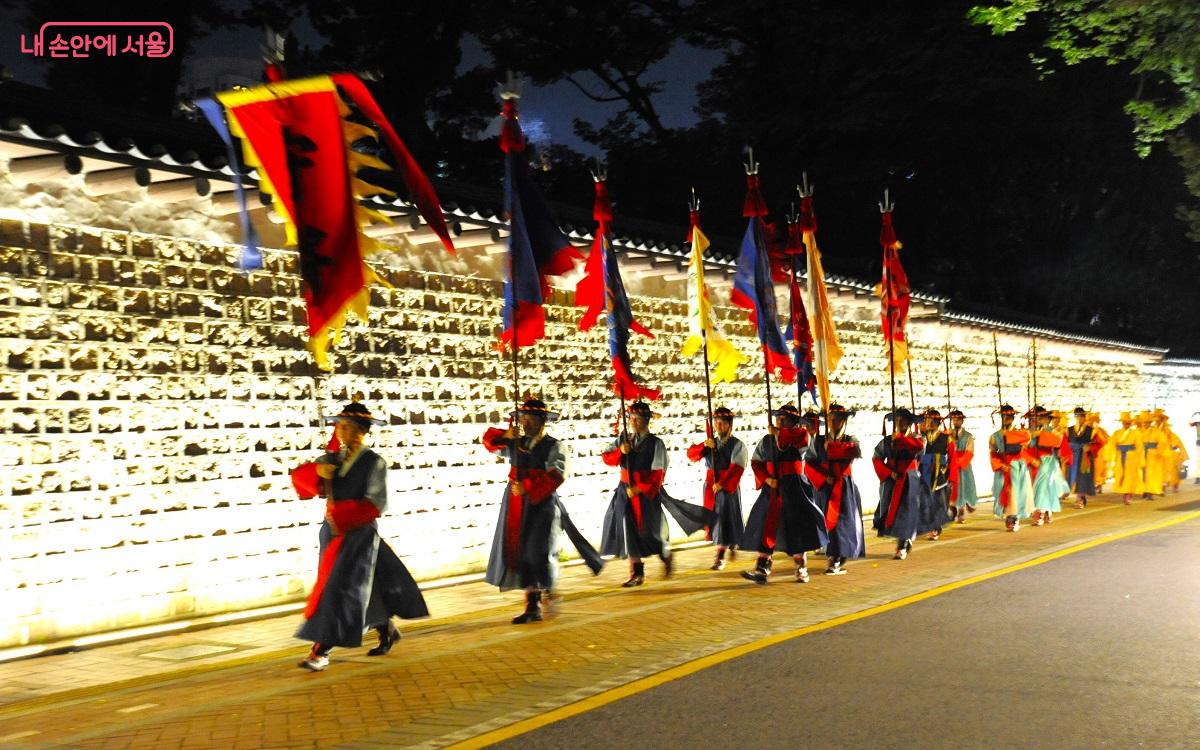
{"points": [[1006, 409], [1125, 417], [537, 408], [812, 417], [722, 412], [931, 412], [787, 410], [1142, 416], [841, 411], [1160, 415], [357, 413], [640, 409], [956, 413], [1080, 411], [902, 413]]}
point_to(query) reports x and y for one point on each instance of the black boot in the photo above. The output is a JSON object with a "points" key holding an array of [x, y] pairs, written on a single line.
{"points": [[533, 609], [637, 575], [668, 566], [761, 570], [388, 636]]}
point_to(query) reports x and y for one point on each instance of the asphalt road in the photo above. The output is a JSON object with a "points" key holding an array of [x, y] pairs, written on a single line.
{"points": [[1097, 649]]}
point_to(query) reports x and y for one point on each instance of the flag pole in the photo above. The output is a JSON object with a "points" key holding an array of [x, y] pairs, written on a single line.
{"points": [[821, 355], [996, 359], [510, 93], [1035, 398], [694, 208], [884, 207], [1030, 418], [946, 353]]}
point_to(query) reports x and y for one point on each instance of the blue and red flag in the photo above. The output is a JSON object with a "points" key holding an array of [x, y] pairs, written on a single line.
{"points": [[798, 332], [601, 288], [537, 248], [754, 290]]}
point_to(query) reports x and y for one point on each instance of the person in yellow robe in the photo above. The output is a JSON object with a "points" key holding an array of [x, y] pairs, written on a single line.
{"points": [[1104, 457], [1177, 454], [1127, 459], [1154, 456]]}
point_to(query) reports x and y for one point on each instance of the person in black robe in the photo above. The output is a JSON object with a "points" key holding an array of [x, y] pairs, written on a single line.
{"points": [[525, 549], [727, 459], [361, 583]]}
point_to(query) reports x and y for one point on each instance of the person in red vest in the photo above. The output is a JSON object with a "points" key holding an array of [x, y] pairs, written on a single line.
{"points": [[726, 458], [525, 548], [361, 582], [827, 465], [634, 525], [786, 517], [906, 506]]}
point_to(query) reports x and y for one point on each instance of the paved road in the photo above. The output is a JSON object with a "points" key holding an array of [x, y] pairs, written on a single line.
{"points": [[1097, 649]]}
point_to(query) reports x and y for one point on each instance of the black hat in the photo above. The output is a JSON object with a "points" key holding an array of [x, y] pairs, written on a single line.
{"points": [[722, 412], [902, 413], [931, 412], [1080, 411], [640, 409], [787, 410], [357, 413], [1007, 409], [537, 408], [841, 411], [956, 413], [812, 416]]}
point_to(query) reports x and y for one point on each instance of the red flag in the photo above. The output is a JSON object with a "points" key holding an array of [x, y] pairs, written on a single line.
{"points": [[895, 295]]}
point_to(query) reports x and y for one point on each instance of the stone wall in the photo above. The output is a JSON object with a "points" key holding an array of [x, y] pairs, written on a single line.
{"points": [[153, 400]]}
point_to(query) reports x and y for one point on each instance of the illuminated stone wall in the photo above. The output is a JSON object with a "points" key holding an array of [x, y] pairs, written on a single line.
{"points": [[152, 401]]}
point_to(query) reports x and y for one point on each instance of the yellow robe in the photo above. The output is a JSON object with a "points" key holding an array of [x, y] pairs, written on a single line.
{"points": [[1178, 455], [1127, 471], [1103, 460], [1154, 460]]}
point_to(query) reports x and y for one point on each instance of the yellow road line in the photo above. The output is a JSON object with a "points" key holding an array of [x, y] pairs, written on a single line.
{"points": [[683, 670]]}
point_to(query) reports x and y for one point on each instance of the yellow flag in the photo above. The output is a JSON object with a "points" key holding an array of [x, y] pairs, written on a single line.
{"points": [[828, 350], [702, 324]]}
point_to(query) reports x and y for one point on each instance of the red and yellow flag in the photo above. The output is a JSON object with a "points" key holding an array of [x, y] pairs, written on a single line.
{"points": [[824, 332], [297, 135]]}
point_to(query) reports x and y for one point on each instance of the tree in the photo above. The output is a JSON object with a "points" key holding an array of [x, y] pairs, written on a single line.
{"points": [[1156, 43]]}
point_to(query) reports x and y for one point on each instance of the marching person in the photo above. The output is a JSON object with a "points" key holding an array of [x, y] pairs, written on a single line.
{"points": [[1085, 444], [905, 503], [360, 581], [827, 465], [1045, 449], [726, 458], [525, 548], [1127, 459], [966, 494], [785, 517], [1012, 488], [1154, 456], [935, 465], [1177, 454], [1103, 457], [634, 525]]}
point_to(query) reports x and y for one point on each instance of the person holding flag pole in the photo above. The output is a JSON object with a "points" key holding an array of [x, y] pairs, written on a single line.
{"points": [[1012, 487], [634, 525], [724, 454], [525, 547], [905, 503], [785, 517]]}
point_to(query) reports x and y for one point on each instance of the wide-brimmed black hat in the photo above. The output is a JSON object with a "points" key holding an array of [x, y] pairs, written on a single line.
{"points": [[956, 413], [357, 413], [537, 408], [640, 409], [1007, 409], [722, 412], [787, 410], [1080, 411], [840, 410], [902, 413], [931, 412]]}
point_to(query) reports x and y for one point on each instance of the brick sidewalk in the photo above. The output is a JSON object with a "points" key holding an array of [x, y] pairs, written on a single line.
{"points": [[469, 670]]}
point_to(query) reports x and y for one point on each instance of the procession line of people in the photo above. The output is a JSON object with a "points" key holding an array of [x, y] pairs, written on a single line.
{"points": [[807, 501]]}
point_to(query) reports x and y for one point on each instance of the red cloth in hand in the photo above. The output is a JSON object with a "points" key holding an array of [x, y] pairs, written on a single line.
{"points": [[349, 515]]}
